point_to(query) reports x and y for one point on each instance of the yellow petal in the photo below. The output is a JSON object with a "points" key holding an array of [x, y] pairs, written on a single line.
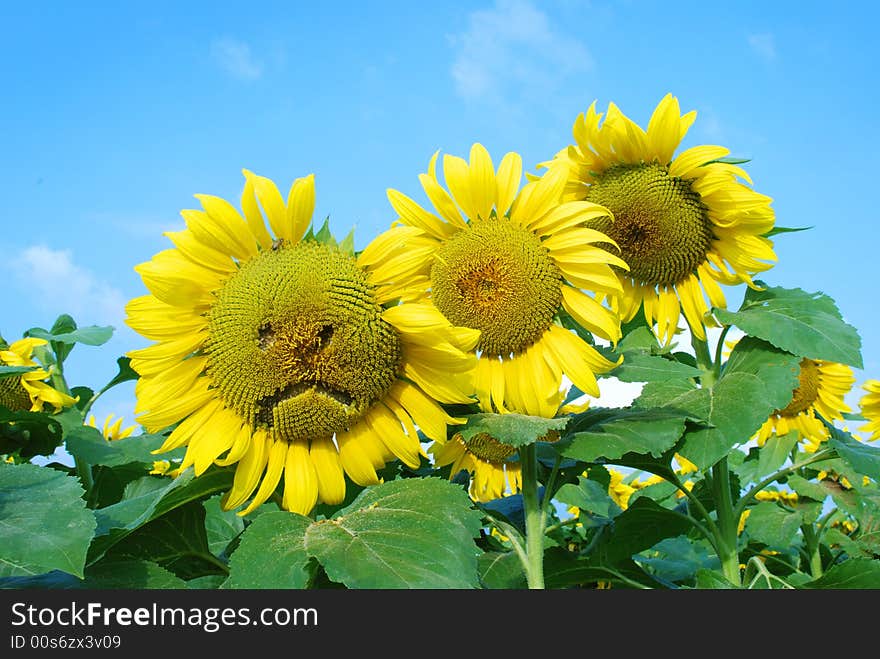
{"points": [[481, 181], [301, 480], [250, 469], [274, 467], [328, 470], [229, 227], [273, 205], [664, 129], [300, 206], [508, 180]]}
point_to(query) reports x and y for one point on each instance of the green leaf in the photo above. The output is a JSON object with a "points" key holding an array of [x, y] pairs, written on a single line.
{"points": [[10, 371], [589, 496], [851, 574], [88, 444], [640, 527], [638, 367], [150, 497], [29, 433], [126, 373], [676, 559], [129, 573], [410, 533], [863, 458], [272, 554], [806, 489], [221, 526], [804, 324], [773, 526], [176, 540], [501, 570], [680, 395], [765, 460], [730, 160], [45, 523], [757, 380], [91, 336], [511, 429], [625, 431], [711, 580], [562, 569]]}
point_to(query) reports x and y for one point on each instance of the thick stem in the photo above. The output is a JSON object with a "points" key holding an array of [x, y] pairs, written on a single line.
{"points": [[534, 514], [727, 522], [811, 540], [83, 468]]}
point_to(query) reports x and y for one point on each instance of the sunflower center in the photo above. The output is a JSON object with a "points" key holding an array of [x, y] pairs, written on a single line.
{"points": [[487, 448], [13, 395], [807, 390], [496, 277], [659, 223], [297, 342]]}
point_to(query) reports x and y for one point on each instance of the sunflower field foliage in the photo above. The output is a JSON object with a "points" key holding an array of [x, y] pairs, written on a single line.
{"points": [[422, 413]]}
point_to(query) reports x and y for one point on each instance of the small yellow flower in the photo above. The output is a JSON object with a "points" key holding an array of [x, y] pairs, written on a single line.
{"points": [[742, 522], [112, 429]]}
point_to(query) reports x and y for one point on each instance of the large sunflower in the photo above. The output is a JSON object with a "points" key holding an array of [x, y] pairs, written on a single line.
{"points": [[278, 355], [870, 406], [507, 262], [683, 223], [28, 391], [821, 388]]}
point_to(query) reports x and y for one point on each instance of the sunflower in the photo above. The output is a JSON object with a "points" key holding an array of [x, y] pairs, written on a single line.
{"points": [[870, 405], [821, 388], [493, 467], [28, 391], [509, 262], [112, 430], [277, 354], [684, 224]]}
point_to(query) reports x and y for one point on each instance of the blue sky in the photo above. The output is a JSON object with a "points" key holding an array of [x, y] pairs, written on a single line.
{"points": [[114, 114]]}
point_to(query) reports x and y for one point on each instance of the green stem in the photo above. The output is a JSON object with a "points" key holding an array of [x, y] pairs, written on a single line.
{"points": [[719, 347], [727, 522], [83, 468], [535, 520], [811, 540], [824, 454]]}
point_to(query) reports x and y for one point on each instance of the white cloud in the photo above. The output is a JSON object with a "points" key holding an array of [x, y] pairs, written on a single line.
{"points": [[55, 282], [513, 48], [236, 58], [763, 45]]}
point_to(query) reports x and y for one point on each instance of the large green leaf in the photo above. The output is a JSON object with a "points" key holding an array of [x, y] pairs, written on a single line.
{"points": [[512, 429], [757, 380], [88, 444], [645, 361], [765, 460], [641, 526], [410, 533], [150, 497], [562, 569], [865, 459], [221, 526], [677, 559], [804, 324], [852, 573], [91, 335], [773, 526], [272, 554], [29, 433], [176, 540], [501, 570], [640, 367], [44, 523], [130, 573], [589, 496], [712, 580], [625, 431]]}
